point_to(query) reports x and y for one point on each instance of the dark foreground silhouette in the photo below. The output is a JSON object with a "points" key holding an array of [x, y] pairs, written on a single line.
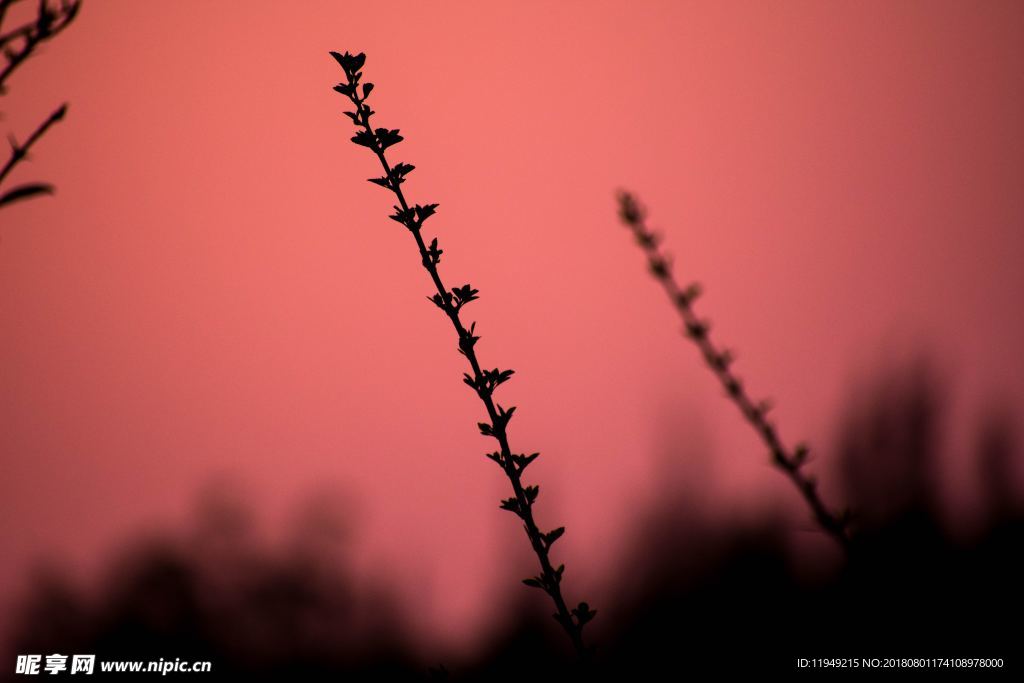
{"points": [[691, 595]]}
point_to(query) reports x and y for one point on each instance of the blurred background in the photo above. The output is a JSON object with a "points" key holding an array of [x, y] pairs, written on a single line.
{"points": [[216, 345]]}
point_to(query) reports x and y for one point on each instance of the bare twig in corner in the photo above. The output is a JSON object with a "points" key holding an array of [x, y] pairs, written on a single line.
{"points": [[790, 461], [483, 382], [21, 42], [19, 152], [18, 44]]}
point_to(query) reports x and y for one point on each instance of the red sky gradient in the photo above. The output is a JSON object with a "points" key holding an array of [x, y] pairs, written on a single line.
{"points": [[216, 293]]}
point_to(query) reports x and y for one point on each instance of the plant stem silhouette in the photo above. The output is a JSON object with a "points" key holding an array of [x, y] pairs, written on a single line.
{"points": [[20, 152], [483, 382], [791, 462], [17, 45]]}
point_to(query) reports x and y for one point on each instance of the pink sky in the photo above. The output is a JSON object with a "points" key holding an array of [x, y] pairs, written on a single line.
{"points": [[216, 293]]}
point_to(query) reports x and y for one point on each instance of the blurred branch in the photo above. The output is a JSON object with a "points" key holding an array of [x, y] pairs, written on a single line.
{"points": [[790, 461], [17, 45], [20, 152]]}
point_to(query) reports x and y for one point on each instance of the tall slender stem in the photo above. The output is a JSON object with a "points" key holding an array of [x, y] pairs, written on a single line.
{"points": [[482, 381]]}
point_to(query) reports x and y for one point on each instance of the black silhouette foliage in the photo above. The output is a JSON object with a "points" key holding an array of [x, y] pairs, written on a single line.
{"points": [[695, 594]]}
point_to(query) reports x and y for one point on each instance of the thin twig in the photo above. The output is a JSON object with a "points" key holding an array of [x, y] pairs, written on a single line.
{"points": [[483, 382], [791, 462], [49, 22], [20, 152], [22, 31], [17, 45]]}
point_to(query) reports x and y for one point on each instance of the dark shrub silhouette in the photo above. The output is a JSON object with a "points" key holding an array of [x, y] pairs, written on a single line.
{"points": [[693, 594], [289, 612]]}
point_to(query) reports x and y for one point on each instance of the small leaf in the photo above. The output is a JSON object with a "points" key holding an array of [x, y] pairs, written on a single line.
{"points": [[350, 63], [485, 429], [401, 169], [340, 58], [365, 138], [357, 62], [697, 329], [722, 360], [583, 613], [531, 493], [523, 460], [534, 583], [552, 536], [510, 504], [346, 89], [366, 89], [629, 210], [432, 256], [25, 192], [383, 181], [425, 212], [388, 137], [438, 301], [496, 377], [403, 216], [465, 294], [503, 417], [467, 340], [659, 267]]}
